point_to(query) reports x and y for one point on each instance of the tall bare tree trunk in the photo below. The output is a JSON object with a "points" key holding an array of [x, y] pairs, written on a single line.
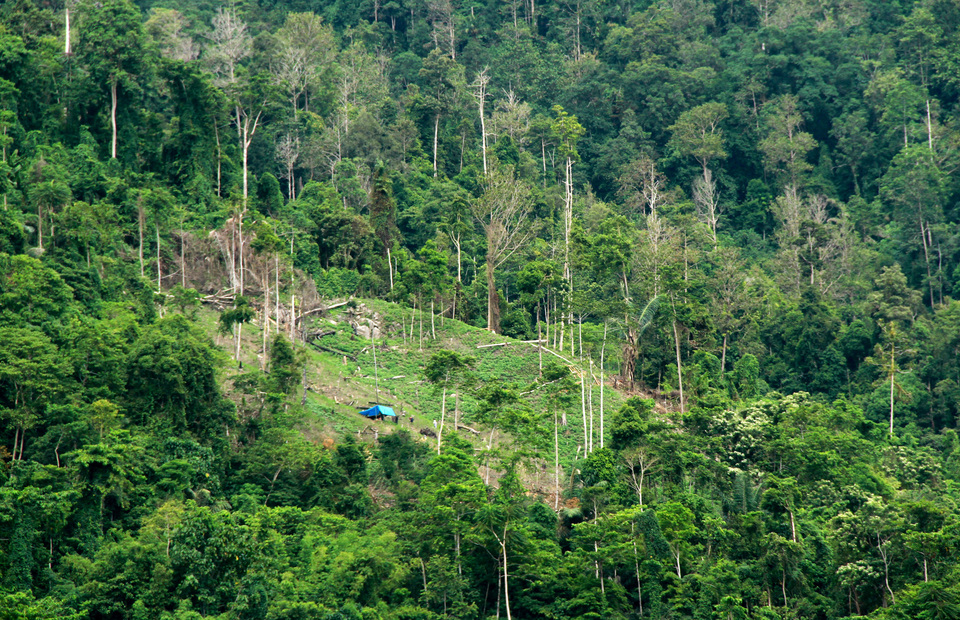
{"points": [[481, 84], [140, 220], [493, 301], [66, 42], [183, 254], [893, 375], [590, 402], [583, 410], [443, 413], [924, 232], [676, 340], [603, 348], [506, 584], [216, 133], [40, 226], [556, 456], [723, 357], [113, 118], [156, 226], [436, 132], [390, 268]]}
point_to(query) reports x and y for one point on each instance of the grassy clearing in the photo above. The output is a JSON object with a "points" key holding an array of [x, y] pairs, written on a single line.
{"points": [[343, 379]]}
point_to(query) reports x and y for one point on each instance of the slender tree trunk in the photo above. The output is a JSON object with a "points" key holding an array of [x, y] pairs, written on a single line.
{"points": [[886, 570], [483, 138], [390, 268], [66, 41], [156, 226], [602, 350], [493, 300], [583, 409], [506, 584], [40, 226], [556, 458], [436, 134], [893, 374], [924, 230], [539, 341], [216, 133], [499, 587], [276, 287], [266, 315], [676, 340], [140, 220], [183, 255], [590, 402], [443, 413], [636, 566], [723, 357], [243, 212], [567, 221], [113, 118]]}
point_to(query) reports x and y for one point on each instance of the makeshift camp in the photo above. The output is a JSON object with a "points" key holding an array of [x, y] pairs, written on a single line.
{"points": [[378, 412]]}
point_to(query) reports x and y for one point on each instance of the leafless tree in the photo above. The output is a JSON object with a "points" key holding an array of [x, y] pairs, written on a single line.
{"points": [[707, 201], [642, 186], [229, 44], [504, 213], [288, 152], [480, 93], [306, 48], [441, 15], [640, 462], [166, 27], [511, 117]]}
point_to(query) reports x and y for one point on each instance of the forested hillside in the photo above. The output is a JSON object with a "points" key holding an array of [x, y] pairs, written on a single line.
{"points": [[715, 247]]}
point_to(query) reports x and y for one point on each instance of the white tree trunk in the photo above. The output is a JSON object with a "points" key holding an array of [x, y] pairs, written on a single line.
{"points": [[436, 132], [443, 412], [113, 118], [66, 43], [676, 340]]}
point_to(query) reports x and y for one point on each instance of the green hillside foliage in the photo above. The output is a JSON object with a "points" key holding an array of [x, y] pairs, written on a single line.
{"points": [[663, 290]]}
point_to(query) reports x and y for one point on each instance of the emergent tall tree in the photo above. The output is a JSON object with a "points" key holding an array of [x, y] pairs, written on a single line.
{"points": [[503, 211], [111, 46]]}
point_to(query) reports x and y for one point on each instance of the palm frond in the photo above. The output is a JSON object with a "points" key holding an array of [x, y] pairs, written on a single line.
{"points": [[649, 312]]}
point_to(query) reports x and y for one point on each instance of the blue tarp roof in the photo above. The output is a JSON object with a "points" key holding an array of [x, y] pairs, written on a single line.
{"points": [[376, 410]]}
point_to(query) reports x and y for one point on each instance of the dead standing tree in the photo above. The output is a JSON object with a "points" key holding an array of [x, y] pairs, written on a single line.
{"points": [[306, 47], [504, 213], [229, 44]]}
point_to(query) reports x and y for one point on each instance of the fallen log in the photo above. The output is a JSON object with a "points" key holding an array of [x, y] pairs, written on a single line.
{"points": [[322, 308], [332, 350], [319, 334], [467, 428]]}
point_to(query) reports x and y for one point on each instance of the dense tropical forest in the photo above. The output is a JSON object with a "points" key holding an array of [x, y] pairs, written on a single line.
{"points": [[675, 277]]}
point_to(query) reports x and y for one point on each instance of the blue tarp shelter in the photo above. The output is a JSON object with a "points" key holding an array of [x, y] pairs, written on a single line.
{"points": [[378, 410]]}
